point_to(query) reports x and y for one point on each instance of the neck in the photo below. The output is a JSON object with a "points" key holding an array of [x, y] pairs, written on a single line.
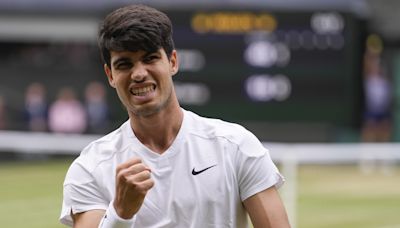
{"points": [[158, 131]]}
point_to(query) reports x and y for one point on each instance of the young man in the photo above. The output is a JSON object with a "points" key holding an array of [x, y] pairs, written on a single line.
{"points": [[165, 166]]}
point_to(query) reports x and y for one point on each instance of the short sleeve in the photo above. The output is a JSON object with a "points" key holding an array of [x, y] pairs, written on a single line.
{"points": [[81, 193], [255, 169]]}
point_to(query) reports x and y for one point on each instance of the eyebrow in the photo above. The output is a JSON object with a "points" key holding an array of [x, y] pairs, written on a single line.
{"points": [[127, 59], [151, 53]]}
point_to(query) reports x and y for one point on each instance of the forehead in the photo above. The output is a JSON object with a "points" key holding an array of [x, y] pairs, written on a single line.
{"points": [[134, 54], [126, 54]]}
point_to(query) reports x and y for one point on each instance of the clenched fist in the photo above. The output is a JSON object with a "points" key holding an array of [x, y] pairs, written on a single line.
{"points": [[133, 181]]}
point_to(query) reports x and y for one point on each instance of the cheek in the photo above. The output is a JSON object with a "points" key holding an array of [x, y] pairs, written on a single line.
{"points": [[121, 80], [121, 86], [167, 83], [164, 77]]}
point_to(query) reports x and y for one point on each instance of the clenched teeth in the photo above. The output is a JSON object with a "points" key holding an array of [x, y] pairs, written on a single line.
{"points": [[142, 91]]}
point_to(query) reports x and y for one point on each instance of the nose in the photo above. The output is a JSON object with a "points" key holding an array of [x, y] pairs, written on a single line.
{"points": [[139, 72]]}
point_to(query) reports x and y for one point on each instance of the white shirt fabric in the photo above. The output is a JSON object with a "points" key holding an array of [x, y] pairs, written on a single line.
{"points": [[238, 167]]}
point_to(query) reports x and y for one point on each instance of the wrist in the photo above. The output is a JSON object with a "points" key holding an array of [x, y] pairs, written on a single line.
{"points": [[121, 212], [112, 220]]}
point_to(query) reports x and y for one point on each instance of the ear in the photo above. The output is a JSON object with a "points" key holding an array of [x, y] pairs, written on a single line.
{"points": [[108, 72], [174, 63]]}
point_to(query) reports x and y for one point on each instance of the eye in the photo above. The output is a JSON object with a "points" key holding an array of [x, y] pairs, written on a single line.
{"points": [[123, 65], [150, 58]]}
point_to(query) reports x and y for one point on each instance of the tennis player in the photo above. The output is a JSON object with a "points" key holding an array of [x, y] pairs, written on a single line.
{"points": [[165, 166]]}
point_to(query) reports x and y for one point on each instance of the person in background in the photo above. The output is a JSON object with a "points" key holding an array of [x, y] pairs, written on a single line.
{"points": [[3, 114], [165, 166], [66, 113], [36, 107], [96, 108], [377, 123]]}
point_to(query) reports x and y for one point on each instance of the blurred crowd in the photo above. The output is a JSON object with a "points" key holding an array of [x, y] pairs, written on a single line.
{"points": [[67, 113], [377, 119]]}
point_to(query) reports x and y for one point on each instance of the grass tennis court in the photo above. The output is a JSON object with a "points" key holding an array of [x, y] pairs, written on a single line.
{"points": [[329, 196]]}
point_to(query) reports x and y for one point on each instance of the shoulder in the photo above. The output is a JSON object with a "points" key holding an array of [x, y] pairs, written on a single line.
{"points": [[219, 129], [103, 149], [211, 127]]}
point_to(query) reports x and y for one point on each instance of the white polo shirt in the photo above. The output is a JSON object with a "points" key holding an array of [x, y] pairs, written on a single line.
{"points": [[200, 181]]}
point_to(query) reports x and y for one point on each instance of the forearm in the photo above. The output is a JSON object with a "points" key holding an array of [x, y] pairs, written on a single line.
{"points": [[266, 210], [88, 219]]}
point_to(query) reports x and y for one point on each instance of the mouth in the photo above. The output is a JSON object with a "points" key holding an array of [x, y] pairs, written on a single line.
{"points": [[142, 91]]}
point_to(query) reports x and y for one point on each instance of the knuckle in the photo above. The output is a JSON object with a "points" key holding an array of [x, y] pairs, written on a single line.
{"points": [[148, 175], [151, 184], [141, 166], [136, 160], [122, 175], [134, 185]]}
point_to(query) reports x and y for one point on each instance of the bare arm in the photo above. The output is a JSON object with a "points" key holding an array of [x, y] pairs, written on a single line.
{"points": [[266, 210], [88, 219], [133, 181]]}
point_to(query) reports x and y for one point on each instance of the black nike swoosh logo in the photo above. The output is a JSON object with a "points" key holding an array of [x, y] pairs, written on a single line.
{"points": [[194, 172]]}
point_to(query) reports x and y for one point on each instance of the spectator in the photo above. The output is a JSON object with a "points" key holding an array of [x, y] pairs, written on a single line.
{"points": [[3, 114], [96, 107], [36, 107], [377, 126], [67, 114]]}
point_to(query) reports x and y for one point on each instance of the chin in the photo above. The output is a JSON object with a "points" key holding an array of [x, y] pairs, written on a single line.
{"points": [[146, 111], [150, 109]]}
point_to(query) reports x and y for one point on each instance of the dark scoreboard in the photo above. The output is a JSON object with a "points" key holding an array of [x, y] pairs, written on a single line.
{"points": [[243, 65], [281, 67]]}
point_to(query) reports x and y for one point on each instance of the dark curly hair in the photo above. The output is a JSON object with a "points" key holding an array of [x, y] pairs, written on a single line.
{"points": [[134, 28]]}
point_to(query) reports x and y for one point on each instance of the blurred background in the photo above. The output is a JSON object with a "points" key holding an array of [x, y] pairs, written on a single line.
{"points": [[317, 81], [325, 67]]}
